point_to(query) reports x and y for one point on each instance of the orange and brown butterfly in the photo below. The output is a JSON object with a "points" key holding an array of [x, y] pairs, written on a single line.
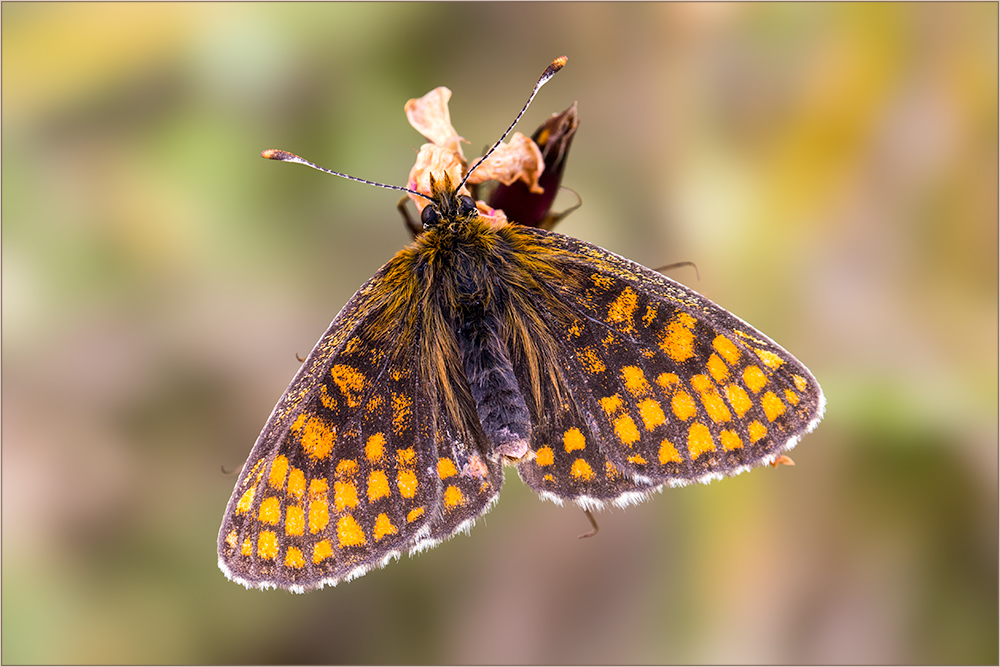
{"points": [[484, 343]]}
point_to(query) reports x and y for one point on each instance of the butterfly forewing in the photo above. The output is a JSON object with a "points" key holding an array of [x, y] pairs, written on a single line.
{"points": [[668, 387], [347, 473]]}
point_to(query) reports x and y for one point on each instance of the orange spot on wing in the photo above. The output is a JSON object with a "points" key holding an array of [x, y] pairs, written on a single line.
{"points": [[446, 468], [602, 281], [345, 496], [649, 316], [383, 527], [294, 559], [791, 397], [453, 497], [635, 381], [295, 520], [711, 399], [754, 378], [668, 381], [245, 502], [346, 468], [773, 407], [581, 470], [757, 431], [669, 453], [699, 440], [350, 381], [730, 440], [590, 360], [401, 413], [315, 436], [296, 484], [611, 404], [572, 440], [374, 404], [717, 367], [544, 456], [328, 401], [727, 349], [406, 481], [770, 359], [279, 468], [267, 545], [738, 398], [652, 414], [375, 448], [378, 485], [622, 309], [626, 430], [270, 511], [319, 505], [683, 405], [406, 457], [323, 549], [677, 339], [349, 532]]}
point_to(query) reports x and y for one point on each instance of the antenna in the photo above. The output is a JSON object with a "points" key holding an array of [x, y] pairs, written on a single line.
{"points": [[285, 156], [549, 72]]}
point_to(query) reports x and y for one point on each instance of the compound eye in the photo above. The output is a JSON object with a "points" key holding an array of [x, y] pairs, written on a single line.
{"points": [[429, 216], [466, 205]]}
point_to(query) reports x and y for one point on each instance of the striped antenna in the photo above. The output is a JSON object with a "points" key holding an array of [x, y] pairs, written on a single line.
{"points": [[285, 156], [549, 72]]}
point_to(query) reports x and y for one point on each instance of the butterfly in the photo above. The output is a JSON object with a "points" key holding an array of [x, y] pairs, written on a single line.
{"points": [[486, 343]]}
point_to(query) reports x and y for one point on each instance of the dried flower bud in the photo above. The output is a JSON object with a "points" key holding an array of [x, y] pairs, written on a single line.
{"points": [[525, 205]]}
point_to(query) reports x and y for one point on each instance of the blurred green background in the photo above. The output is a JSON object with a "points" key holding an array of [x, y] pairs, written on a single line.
{"points": [[831, 169]]}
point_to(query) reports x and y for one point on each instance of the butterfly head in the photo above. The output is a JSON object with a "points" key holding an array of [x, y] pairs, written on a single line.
{"points": [[447, 205]]}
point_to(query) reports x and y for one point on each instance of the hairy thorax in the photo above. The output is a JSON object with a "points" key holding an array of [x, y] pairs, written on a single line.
{"points": [[470, 289]]}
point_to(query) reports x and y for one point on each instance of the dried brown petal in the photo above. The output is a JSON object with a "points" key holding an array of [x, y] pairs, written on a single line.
{"points": [[435, 160], [782, 460], [519, 160], [429, 115]]}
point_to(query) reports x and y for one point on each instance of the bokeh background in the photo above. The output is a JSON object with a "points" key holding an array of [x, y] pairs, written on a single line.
{"points": [[831, 169]]}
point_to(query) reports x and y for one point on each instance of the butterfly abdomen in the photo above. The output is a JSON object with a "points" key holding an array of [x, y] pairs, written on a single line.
{"points": [[500, 405]]}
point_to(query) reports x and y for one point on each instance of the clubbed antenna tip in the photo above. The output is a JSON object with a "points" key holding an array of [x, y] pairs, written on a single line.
{"points": [[549, 72]]}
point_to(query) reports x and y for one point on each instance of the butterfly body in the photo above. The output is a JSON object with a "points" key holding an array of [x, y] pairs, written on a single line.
{"points": [[485, 343]]}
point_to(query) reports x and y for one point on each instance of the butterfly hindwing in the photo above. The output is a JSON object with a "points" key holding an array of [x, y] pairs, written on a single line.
{"points": [[669, 386], [470, 484], [569, 459]]}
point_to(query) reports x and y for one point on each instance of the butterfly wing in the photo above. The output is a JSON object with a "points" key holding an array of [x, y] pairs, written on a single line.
{"points": [[355, 465], [665, 386]]}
